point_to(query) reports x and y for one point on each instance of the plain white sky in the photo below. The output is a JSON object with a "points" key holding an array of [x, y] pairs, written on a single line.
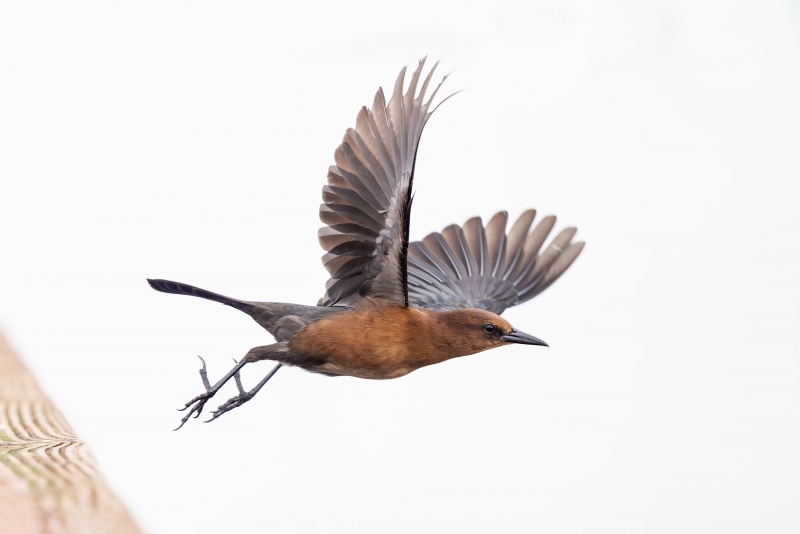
{"points": [[190, 140]]}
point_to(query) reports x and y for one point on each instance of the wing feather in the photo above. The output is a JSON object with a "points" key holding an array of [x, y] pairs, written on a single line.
{"points": [[516, 237], [496, 242], [476, 241], [454, 235], [367, 201], [558, 267], [481, 266], [530, 249]]}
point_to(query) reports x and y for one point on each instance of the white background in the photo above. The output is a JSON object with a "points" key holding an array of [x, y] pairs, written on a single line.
{"points": [[190, 141]]}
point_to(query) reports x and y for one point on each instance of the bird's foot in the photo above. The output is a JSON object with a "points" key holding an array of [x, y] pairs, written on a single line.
{"points": [[243, 396], [230, 404], [196, 405]]}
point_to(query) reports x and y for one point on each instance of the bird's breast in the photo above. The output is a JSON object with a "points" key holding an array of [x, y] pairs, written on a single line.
{"points": [[373, 341]]}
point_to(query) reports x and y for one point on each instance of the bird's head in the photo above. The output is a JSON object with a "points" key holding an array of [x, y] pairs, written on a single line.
{"points": [[473, 330]]}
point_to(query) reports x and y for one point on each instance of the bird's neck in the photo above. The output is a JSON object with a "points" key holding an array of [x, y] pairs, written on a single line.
{"points": [[448, 337]]}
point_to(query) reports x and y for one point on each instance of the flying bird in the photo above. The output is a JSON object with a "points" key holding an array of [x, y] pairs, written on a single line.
{"points": [[390, 306]]}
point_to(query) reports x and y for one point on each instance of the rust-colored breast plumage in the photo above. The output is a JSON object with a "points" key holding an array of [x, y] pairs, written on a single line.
{"points": [[375, 340]]}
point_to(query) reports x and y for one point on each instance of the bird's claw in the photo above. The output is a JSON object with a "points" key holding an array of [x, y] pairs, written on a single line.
{"points": [[195, 406], [230, 404], [197, 403]]}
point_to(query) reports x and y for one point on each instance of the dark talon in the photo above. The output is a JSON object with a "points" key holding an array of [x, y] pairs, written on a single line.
{"points": [[197, 409], [243, 396], [230, 404], [196, 405], [204, 378]]}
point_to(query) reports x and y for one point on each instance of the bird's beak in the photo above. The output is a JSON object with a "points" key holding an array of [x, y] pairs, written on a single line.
{"points": [[521, 337]]}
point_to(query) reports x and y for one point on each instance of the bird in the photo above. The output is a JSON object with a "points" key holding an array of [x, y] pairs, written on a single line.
{"points": [[392, 306]]}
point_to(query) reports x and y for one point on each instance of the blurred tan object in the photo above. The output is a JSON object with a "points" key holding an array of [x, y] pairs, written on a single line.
{"points": [[49, 482]]}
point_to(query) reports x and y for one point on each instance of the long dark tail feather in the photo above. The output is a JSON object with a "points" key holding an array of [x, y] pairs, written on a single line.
{"points": [[167, 286]]}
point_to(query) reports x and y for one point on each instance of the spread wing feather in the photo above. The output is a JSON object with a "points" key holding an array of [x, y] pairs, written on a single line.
{"points": [[367, 201], [477, 266]]}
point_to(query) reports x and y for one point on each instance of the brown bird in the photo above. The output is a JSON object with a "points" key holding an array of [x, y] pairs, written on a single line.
{"points": [[390, 306]]}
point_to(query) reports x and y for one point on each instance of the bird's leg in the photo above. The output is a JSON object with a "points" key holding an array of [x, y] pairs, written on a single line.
{"points": [[243, 396], [195, 406]]}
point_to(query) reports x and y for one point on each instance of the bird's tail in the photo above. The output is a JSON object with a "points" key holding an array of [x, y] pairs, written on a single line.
{"points": [[167, 286]]}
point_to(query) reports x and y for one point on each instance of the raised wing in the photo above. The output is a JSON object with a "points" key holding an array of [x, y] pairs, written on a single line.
{"points": [[367, 202], [483, 267]]}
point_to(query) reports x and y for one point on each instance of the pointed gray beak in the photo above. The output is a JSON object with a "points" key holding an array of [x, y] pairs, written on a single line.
{"points": [[521, 337]]}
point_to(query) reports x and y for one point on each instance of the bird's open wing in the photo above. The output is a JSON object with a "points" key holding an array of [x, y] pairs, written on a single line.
{"points": [[367, 201], [473, 266]]}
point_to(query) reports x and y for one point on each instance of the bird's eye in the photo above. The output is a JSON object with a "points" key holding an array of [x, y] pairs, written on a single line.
{"points": [[489, 328]]}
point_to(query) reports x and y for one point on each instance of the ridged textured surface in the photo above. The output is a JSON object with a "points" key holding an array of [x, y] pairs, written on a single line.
{"points": [[49, 481]]}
